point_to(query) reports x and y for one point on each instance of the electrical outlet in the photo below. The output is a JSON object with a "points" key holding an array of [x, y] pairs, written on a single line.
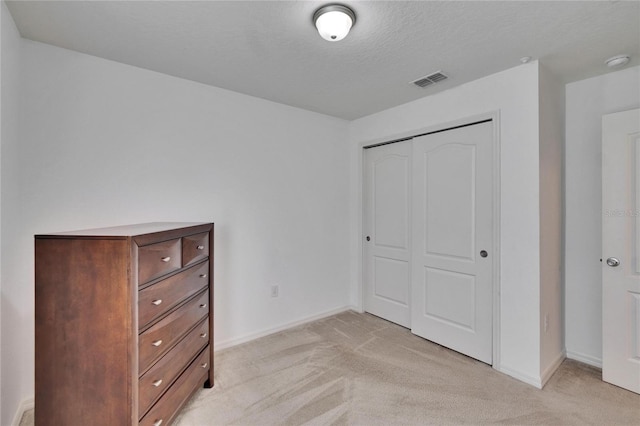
{"points": [[546, 322], [275, 290]]}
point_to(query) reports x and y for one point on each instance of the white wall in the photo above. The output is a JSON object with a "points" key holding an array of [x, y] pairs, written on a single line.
{"points": [[551, 113], [2, 11], [587, 101], [514, 93], [104, 143], [12, 317]]}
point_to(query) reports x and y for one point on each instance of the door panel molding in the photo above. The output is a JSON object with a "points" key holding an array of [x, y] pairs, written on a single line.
{"points": [[434, 163], [379, 283], [381, 173], [432, 305]]}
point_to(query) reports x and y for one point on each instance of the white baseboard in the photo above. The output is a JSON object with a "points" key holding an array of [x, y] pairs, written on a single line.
{"points": [[530, 380], [548, 372], [25, 405], [587, 359], [358, 309], [265, 332], [537, 382]]}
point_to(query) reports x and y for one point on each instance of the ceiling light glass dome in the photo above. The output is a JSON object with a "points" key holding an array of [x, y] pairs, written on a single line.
{"points": [[334, 21]]}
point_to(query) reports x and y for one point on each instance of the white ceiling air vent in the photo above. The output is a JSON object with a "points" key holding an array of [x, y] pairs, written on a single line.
{"points": [[430, 79]]}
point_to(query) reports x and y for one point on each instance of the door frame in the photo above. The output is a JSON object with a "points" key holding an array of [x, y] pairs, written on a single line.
{"points": [[494, 116]]}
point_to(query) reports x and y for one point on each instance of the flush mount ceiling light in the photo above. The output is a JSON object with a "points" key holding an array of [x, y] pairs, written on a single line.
{"points": [[334, 21], [617, 61]]}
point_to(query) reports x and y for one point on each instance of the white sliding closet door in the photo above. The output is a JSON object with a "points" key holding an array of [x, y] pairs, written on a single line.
{"points": [[387, 208], [452, 284]]}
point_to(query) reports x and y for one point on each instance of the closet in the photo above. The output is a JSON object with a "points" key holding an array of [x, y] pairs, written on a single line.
{"points": [[429, 235]]}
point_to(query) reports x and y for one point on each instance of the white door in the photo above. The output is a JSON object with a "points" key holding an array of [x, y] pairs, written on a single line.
{"points": [[452, 285], [621, 249], [387, 207]]}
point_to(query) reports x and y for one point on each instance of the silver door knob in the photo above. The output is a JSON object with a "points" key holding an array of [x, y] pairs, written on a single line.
{"points": [[613, 262]]}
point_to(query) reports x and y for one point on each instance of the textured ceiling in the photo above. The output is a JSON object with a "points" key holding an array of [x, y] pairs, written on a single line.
{"points": [[270, 49]]}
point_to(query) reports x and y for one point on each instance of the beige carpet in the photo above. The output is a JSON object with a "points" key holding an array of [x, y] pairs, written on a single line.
{"points": [[357, 369]]}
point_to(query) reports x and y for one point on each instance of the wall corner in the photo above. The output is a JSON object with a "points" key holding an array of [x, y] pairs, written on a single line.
{"points": [[551, 132]]}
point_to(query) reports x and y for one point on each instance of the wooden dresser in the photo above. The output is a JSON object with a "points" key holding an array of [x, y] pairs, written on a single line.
{"points": [[124, 323]]}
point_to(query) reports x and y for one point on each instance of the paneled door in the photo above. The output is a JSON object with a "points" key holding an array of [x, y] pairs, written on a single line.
{"points": [[621, 249], [387, 222], [452, 228]]}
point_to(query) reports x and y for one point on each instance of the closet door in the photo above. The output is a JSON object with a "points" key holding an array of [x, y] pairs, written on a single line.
{"points": [[621, 249], [387, 208], [452, 288]]}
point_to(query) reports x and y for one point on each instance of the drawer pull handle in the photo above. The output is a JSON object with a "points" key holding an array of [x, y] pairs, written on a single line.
{"points": [[203, 335], [157, 343], [157, 383], [157, 422], [166, 259], [203, 275], [203, 305], [204, 365], [200, 247], [156, 302]]}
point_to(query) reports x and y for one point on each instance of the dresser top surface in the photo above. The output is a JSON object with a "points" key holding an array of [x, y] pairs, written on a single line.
{"points": [[126, 230]]}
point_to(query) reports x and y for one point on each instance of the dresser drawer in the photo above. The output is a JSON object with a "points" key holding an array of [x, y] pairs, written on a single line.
{"points": [[156, 260], [164, 411], [157, 299], [160, 337], [154, 382], [195, 248]]}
